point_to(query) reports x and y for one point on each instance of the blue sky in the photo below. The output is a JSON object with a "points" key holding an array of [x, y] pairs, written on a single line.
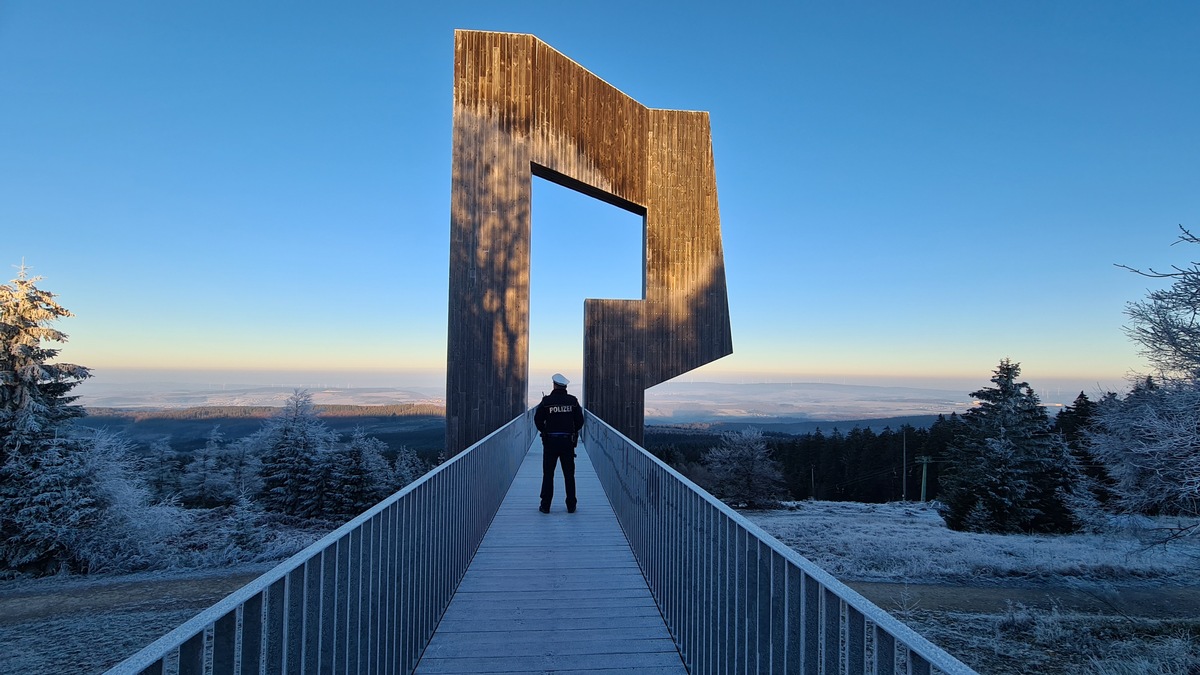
{"points": [[909, 191]]}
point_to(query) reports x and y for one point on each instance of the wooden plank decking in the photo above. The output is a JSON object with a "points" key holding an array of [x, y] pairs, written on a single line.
{"points": [[553, 592]]}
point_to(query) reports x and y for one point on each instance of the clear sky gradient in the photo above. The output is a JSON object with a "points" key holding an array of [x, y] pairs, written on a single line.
{"points": [[909, 192]]}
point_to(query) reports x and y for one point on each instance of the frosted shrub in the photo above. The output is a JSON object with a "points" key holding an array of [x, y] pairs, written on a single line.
{"points": [[129, 533], [744, 473]]}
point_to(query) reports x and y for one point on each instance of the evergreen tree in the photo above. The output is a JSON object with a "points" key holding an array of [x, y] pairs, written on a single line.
{"points": [[357, 475], [207, 481], [1072, 422], [407, 467], [70, 499], [242, 533], [241, 461], [1008, 473], [293, 444], [162, 468], [46, 500], [41, 475], [744, 472], [34, 393]]}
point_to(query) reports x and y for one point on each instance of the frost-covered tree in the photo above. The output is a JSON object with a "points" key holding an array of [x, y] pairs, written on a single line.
{"points": [[207, 480], [1166, 324], [70, 498], [34, 393], [1149, 441], [743, 471], [41, 472], [132, 531], [46, 499], [241, 462], [293, 444], [242, 531], [1008, 473], [356, 475], [162, 468], [407, 467], [84, 508]]}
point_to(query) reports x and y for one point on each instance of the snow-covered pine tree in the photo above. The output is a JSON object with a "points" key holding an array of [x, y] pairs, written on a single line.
{"points": [[162, 468], [39, 469], [241, 461], [744, 473], [45, 501], [357, 475], [293, 444], [34, 393], [1072, 422], [70, 499], [407, 467], [207, 481], [1006, 469], [244, 536]]}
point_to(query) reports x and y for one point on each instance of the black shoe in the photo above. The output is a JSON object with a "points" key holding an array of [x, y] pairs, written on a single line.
{"points": [[544, 509], [570, 508]]}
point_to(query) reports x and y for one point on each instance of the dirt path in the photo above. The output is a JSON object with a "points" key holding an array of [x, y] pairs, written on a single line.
{"points": [[69, 600], [1142, 601], [60, 601]]}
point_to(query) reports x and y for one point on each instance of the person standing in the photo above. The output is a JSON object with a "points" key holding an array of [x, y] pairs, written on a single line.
{"points": [[558, 419]]}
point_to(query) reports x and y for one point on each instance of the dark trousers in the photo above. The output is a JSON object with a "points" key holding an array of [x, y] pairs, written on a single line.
{"points": [[554, 450]]}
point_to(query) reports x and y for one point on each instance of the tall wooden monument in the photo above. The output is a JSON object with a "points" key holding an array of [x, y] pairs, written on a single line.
{"points": [[522, 109]]}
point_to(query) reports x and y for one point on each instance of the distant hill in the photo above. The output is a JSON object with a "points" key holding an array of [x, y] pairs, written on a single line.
{"points": [[798, 427], [419, 426], [264, 412]]}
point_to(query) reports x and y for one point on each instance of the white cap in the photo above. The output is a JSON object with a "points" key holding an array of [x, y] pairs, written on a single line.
{"points": [[560, 380]]}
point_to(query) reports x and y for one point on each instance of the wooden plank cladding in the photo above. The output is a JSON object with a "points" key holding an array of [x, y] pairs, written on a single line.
{"points": [[521, 108]]}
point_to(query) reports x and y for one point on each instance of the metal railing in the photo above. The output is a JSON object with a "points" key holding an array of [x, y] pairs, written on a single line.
{"points": [[365, 598], [735, 599]]}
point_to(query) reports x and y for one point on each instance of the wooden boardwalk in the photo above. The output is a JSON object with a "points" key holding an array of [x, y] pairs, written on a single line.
{"points": [[555, 592]]}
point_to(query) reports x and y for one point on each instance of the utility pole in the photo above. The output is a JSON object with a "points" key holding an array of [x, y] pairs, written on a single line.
{"points": [[924, 460]]}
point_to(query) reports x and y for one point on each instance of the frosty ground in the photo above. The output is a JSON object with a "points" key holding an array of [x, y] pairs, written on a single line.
{"points": [[1110, 603]]}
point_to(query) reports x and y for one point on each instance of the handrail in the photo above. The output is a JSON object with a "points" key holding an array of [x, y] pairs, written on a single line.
{"points": [[366, 597], [735, 599]]}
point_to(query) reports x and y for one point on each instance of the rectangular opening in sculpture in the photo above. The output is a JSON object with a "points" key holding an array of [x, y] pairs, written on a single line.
{"points": [[580, 248]]}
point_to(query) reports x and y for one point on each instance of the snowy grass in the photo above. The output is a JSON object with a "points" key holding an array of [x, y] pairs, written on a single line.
{"points": [[909, 542]]}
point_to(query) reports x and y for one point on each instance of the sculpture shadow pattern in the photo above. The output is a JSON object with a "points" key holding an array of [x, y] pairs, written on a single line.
{"points": [[523, 109]]}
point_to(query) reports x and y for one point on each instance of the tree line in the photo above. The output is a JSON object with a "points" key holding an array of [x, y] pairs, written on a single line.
{"points": [[218, 412]]}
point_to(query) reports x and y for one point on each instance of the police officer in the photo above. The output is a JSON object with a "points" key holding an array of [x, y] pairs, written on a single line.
{"points": [[558, 418]]}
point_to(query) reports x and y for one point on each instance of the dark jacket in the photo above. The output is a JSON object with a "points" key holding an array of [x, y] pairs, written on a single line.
{"points": [[559, 415]]}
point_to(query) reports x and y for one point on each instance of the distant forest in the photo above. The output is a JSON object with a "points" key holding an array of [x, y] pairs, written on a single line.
{"points": [[419, 426], [856, 464]]}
